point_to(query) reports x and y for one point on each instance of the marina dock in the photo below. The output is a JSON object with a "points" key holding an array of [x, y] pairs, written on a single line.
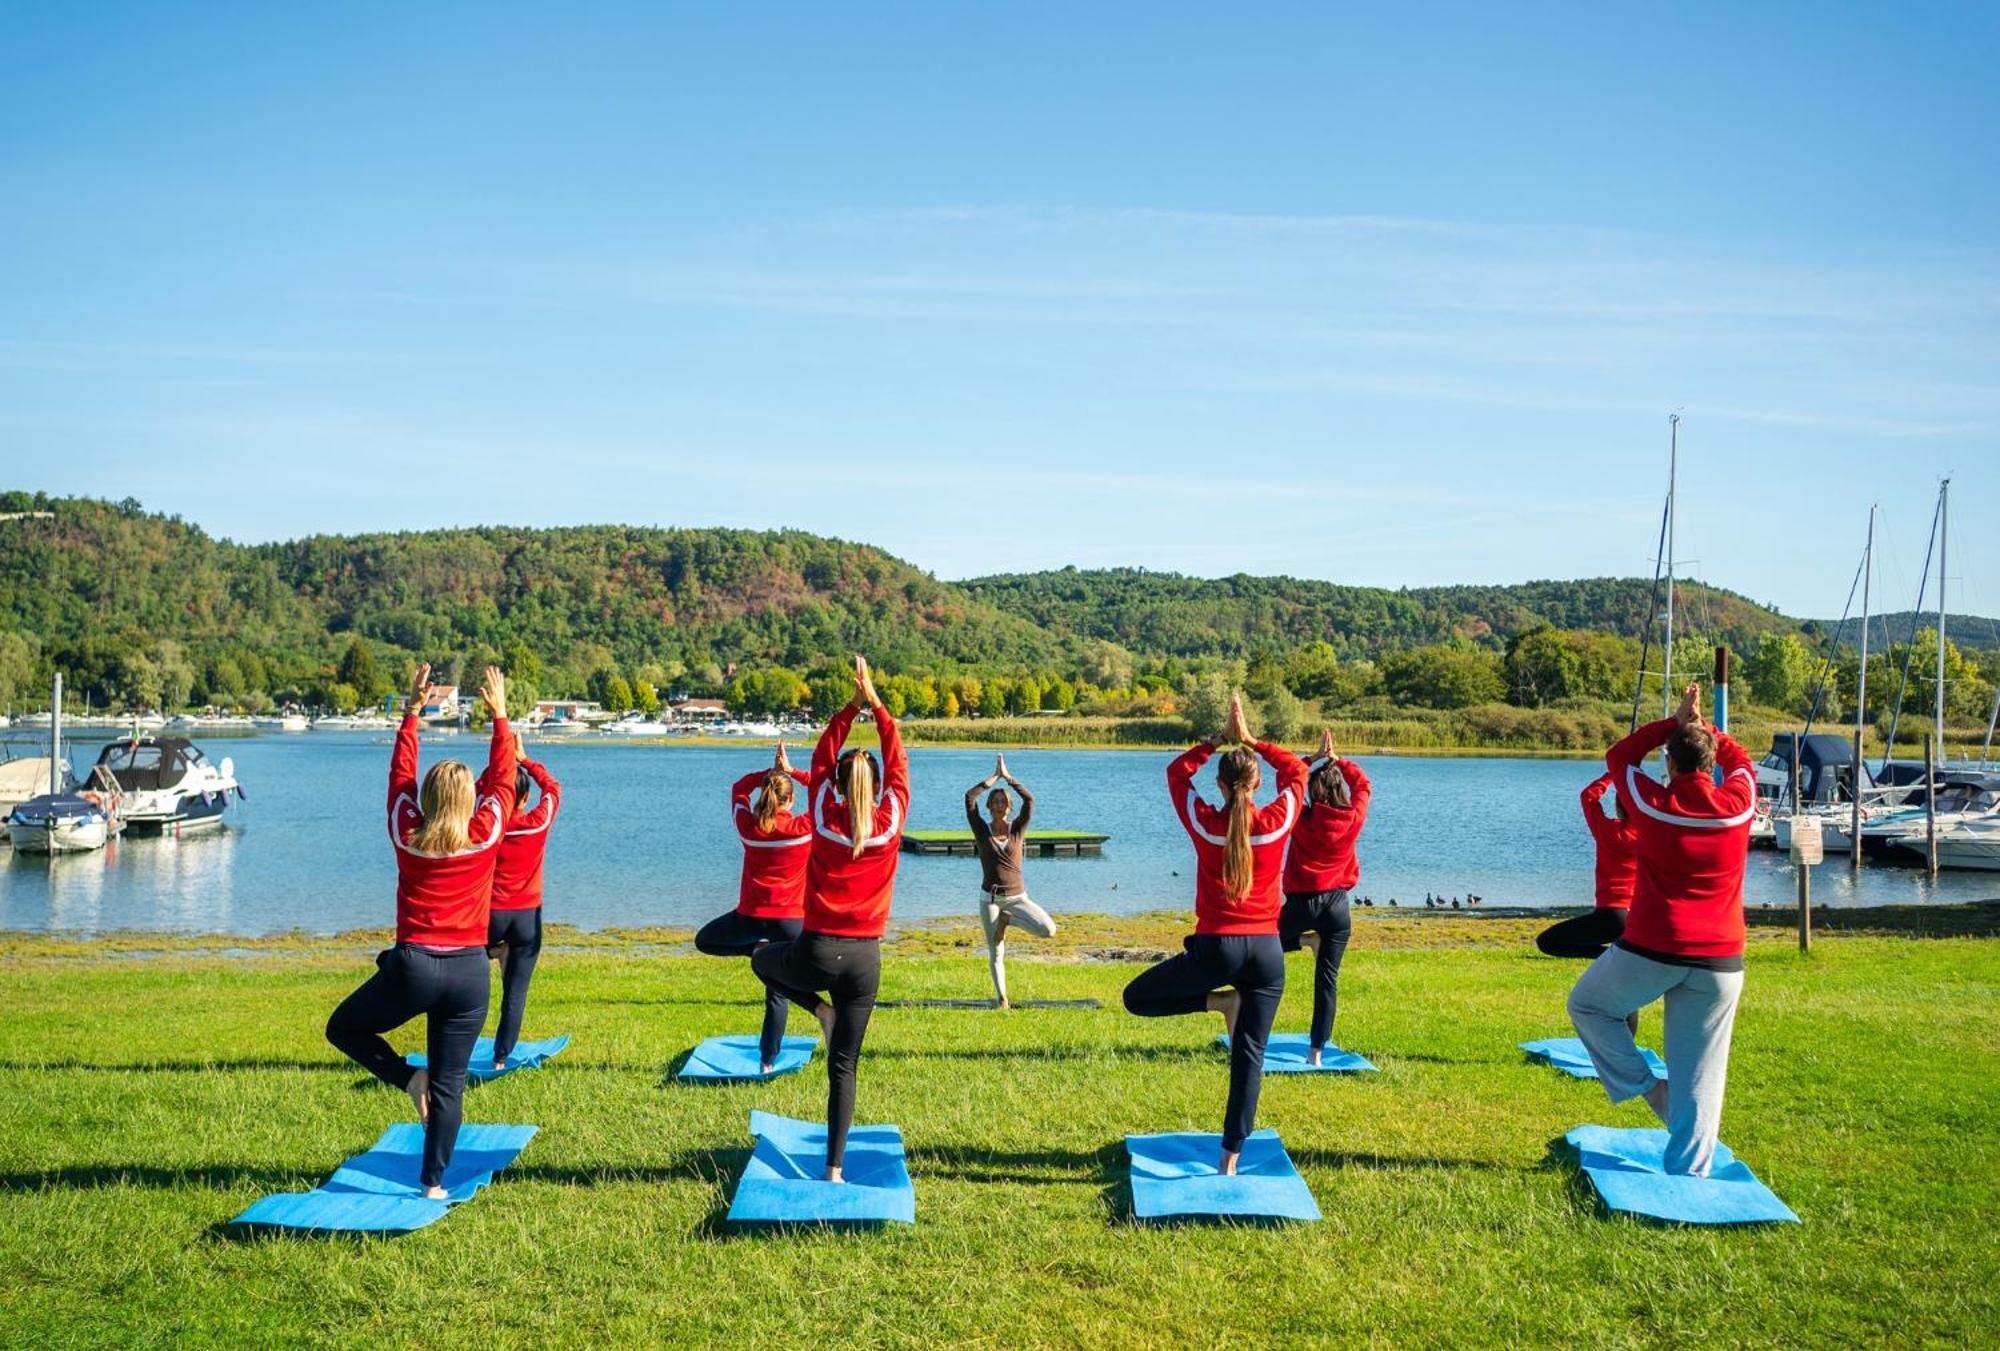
{"points": [[1041, 843]]}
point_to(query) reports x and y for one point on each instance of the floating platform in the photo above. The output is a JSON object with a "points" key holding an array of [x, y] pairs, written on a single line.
{"points": [[1041, 843]]}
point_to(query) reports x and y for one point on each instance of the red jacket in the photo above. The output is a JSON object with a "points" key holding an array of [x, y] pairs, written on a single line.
{"points": [[1617, 846], [1693, 838], [846, 896], [1255, 912], [1322, 854], [443, 902], [774, 860], [517, 878]]}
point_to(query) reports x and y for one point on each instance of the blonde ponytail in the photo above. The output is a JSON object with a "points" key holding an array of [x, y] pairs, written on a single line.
{"points": [[858, 786], [1237, 777], [774, 797]]}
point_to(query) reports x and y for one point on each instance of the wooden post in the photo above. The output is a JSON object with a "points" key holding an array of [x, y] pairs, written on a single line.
{"points": [[1930, 805], [1802, 868]]}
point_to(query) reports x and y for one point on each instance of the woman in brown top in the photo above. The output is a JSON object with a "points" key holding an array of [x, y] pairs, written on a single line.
{"points": [[1004, 896]]}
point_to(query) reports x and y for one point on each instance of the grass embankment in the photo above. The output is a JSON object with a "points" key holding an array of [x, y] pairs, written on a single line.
{"points": [[144, 1102]]}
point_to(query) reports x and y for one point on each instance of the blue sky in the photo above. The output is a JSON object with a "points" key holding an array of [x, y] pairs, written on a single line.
{"points": [[1384, 298]]}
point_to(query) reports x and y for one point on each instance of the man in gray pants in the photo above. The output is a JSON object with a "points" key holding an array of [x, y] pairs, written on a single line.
{"points": [[1684, 939]]}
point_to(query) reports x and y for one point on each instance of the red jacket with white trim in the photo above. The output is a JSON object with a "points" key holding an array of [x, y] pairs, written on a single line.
{"points": [[1322, 854], [443, 902], [517, 877], [774, 860], [848, 896], [1256, 911], [1693, 838], [1617, 847]]}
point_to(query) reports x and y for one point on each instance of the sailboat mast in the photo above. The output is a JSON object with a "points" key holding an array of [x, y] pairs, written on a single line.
{"points": [[1861, 687], [55, 735], [1673, 477], [1944, 543]]}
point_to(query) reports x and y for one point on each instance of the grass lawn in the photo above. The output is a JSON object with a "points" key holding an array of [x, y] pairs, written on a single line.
{"points": [[143, 1101]]}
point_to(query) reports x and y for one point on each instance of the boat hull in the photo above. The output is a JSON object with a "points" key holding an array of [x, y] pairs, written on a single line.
{"points": [[58, 837]]}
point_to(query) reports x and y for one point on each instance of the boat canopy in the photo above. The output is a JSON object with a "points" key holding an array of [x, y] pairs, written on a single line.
{"points": [[1826, 763], [56, 807], [150, 762]]}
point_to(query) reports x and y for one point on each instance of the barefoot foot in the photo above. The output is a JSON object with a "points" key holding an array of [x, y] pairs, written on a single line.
{"points": [[1312, 1056], [436, 1194], [1228, 1165], [419, 1089], [833, 1174], [1656, 1098], [1229, 1004]]}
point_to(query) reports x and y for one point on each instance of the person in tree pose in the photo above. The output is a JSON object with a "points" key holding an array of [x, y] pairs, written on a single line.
{"points": [[446, 836], [1000, 839], [514, 932], [1320, 870], [771, 897], [1683, 941], [1232, 963], [858, 810]]}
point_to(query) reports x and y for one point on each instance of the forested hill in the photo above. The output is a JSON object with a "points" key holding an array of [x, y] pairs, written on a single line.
{"points": [[145, 610], [102, 579], [1194, 617]]}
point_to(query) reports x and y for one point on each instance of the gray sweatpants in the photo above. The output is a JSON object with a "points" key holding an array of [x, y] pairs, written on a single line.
{"points": [[1700, 1016], [997, 914]]}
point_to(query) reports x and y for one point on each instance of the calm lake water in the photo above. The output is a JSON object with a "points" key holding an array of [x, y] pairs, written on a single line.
{"points": [[645, 838]]}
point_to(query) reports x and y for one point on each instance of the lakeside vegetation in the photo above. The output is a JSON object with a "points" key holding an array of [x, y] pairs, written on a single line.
{"points": [[142, 1103], [147, 611]]}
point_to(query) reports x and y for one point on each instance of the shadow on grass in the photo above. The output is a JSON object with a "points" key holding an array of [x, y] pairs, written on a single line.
{"points": [[91, 1176], [179, 1066], [1191, 1055], [983, 1163]]}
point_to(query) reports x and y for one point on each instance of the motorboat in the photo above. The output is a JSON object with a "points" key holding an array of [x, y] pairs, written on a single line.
{"points": [[282, 722], [169, 785], [29, 776], [1969, 844], [636, 723], [62, 823]]}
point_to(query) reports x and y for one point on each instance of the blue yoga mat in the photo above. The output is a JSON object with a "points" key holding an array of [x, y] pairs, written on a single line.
{"points": [[1175, 1175], [783, 1182], [727, 1059], [528, 1055], [1286, 1052], [1627, 1167], [379, 1191], [1567, 1054]]}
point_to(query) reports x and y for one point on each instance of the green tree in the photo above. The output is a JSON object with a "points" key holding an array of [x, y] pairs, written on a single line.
{"points": [[993, 697], [1059, 696], [19, 671], [644, 697], [617, 694], [1205, 705], [357, 672], [1442, 676], [1780, 671], [1313, 672], [342, 697], [1542, 666], [1279, 715]]}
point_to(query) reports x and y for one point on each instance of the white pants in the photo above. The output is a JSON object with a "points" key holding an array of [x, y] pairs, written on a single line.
{"points": [[1700, 1016], [996, 915]]}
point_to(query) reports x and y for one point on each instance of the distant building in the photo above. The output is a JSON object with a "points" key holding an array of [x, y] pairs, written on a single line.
{"points": [[700, 710], [567, 710]]}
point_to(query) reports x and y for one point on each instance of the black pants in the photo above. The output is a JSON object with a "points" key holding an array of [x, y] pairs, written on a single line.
{"points": [[1255, 965], [850, 971], [521, 931], [738, 935], [1585, 936], [1324, 913], [449, 988]]}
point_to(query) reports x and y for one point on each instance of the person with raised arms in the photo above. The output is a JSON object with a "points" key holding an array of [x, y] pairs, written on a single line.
{"points": [[446, 836], [1683, 941], [858, 810], [1232, 963], [1320, 870], [1001, 838], [1616, 839], [514, 932], [771, 895]]}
